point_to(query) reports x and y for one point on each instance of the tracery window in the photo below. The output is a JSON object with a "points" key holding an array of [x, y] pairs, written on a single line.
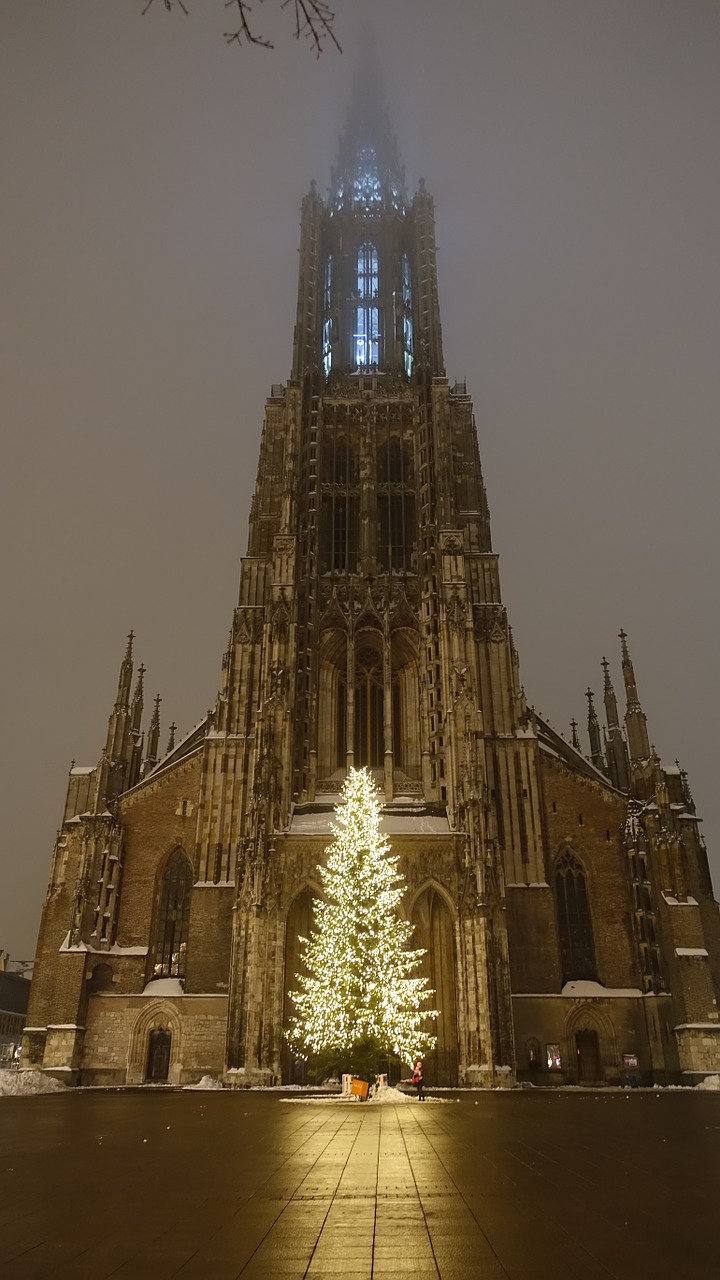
{"points": [[574, 921], [171, 927], [339, 511], [395, 507], [369, 744], [366, 336], [365, 187], [341, 725], [327, 320], [407, 316]]}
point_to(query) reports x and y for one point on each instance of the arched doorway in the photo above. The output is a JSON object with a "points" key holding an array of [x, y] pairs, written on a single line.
{"points": [[589, 1065], [298, 925], [435, 931], [158, 1057]]}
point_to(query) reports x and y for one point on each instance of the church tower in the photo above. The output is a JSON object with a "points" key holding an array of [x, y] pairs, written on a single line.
{"points": [[563, 901], [370, 630]]}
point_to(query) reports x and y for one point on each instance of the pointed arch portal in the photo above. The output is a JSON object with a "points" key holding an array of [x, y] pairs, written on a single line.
{"points": [[298, 925], [435, 931]]}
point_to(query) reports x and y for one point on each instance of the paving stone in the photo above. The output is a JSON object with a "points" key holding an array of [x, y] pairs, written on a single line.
{"points": [[244, 1187]]}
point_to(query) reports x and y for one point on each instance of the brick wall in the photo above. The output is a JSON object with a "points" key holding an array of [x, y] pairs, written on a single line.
{"points": [[586, 817]]}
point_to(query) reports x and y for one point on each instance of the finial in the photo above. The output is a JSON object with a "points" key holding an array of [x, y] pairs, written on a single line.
{"points": [[171, 739], [590, 695], [575, 738], [129, 649], [623, 641], [156, 708]]}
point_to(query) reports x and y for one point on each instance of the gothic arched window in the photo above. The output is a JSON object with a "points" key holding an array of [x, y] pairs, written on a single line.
{"points": [[341, 725], [366, 337], [171, 926], [369, 710], [395, 506], [407, 316], [338, 507], [327, 319], [574, 922]]}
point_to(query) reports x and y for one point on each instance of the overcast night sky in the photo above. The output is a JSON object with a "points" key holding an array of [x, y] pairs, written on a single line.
{"points": [[152, 178]]}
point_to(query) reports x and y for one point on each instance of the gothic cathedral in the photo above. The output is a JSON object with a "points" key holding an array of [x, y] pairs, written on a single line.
{"points": [[564, 899]]}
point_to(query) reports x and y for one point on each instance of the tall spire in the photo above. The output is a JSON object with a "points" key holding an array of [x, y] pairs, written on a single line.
{"points": [[609, 699], [368, 177], [635, 722], [125, 678], [153, 737], [116, 763], [136, 736], [137, 702], [593, 725], [615, 745]]}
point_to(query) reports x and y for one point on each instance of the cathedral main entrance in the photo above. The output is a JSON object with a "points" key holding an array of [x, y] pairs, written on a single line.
{"points": [[297, 926], [435, 932]]}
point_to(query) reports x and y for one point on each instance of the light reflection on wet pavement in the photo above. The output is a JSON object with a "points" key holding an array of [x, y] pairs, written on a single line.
{"points": [[213, 1186]]}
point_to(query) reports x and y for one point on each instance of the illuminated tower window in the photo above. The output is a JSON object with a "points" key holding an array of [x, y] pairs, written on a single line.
{"points": [[327, 321], [366, 186], [366, 338], [407, 316]]}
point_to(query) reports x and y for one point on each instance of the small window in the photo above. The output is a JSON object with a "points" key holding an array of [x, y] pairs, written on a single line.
{"points": [[554, 1060]]}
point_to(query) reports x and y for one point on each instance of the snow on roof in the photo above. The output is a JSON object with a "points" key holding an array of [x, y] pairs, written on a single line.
{"points": [[114, 950], [690, 951], [583, 990], [393, 821], [82, 769], [164, 987], [553, 744]]}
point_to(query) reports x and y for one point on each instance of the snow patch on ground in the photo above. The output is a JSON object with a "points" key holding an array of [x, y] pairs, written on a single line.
{"points": [[25, 1084], [386, 1096], [206, 1082], [710, 1082]]}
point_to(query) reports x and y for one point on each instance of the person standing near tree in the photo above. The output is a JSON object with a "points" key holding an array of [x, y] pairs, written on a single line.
{"points": [[417, 1079]]}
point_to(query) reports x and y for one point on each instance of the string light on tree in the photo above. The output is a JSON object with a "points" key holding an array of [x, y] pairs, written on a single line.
{"points": [[359, 987]]}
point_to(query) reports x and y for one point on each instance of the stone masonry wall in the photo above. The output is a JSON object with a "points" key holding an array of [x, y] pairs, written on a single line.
{"points": [[118, 1030]]}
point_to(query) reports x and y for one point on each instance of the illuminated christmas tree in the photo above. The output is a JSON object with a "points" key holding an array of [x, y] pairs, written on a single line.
{"points": [[358, 1001]]}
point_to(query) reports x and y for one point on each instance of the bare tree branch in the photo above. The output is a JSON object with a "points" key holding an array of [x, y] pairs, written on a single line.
{"points": [[243, 32], [314, 20], [168, 5]]}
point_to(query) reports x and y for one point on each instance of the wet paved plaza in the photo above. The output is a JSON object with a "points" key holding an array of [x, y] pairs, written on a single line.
{"points": [[213, 1186]]}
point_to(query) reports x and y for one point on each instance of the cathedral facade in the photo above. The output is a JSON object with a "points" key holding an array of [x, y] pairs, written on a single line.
{"points": [[563, 898]]}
